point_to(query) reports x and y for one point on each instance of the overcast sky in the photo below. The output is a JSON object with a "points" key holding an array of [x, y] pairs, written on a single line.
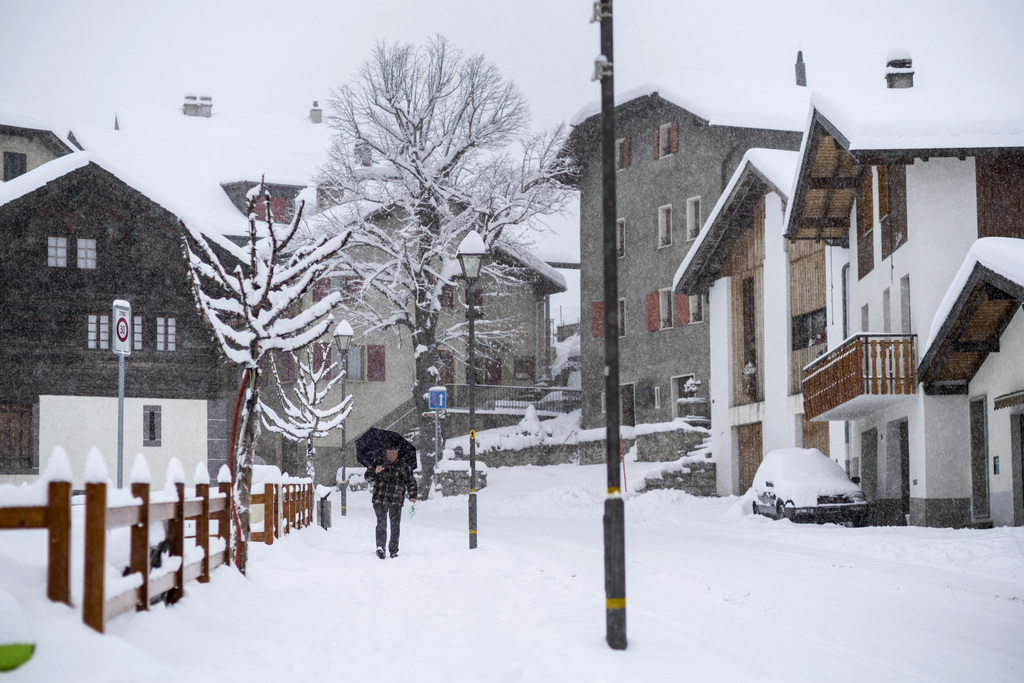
{"points": [[72, 62]]}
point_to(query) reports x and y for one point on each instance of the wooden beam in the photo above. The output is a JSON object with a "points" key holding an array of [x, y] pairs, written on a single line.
{"points": [[833, 183], [989, 346]]}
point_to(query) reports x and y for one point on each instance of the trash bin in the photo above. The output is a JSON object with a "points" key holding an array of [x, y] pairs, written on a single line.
{"points": [[324, 505]]}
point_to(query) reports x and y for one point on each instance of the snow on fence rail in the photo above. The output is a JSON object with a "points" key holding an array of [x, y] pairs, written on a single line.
{"points": [[47, 505]]}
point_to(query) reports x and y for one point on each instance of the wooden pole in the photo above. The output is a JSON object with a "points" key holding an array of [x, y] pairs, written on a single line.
{"points": [[176, 543], [203, 531], [139, 562], [224, 521], [95, 555], [58, 521]]}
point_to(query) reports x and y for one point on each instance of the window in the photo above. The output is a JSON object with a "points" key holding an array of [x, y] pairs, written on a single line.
{"points": [[280, 209], [622, 317], [321, 355], [665, 308], [621, 153], [137, 333], [886, 311], [688, 309], [620, 237], [99, 331], [810, 329], [321, 288], [696, 309], [693, 217], [375, 367], [151, 427], [657, 398], [57, 252], [286, 367], [166, 334], [445, 368], [447, 297], [352, 288], [865, 227], [666, 139], [86, 253], [905, 304], [665, 225], [864, 319], [15, 164], [892, 207], [684, 394], [355, 362], [524, 368], [15, 436]]}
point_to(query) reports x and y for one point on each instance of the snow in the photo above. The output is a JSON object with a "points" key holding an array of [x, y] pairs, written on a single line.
{"points": [[343, 329], [925, 118], [801, 475], [472, 243], [711, 591], [175, 472], [95, 468], [58, 468], [201, 475], [140, 471], [723, 100], [14, 627], [224, 475], [1002, 255]]}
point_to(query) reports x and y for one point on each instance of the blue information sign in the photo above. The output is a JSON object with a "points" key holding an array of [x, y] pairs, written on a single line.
{"points": [[438, 398]]}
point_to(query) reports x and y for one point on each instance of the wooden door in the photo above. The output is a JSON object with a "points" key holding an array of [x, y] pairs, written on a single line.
{"points": [[749, 440]]}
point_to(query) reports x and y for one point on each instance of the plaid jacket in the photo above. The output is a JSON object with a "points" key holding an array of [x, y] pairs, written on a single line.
{"points": [[389, 486]]}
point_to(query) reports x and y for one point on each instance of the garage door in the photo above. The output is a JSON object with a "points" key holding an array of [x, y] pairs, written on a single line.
{"points": [[748, 437]]}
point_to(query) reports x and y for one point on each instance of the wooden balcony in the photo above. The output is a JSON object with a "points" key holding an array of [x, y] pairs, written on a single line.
{"points": [[862, 375]]}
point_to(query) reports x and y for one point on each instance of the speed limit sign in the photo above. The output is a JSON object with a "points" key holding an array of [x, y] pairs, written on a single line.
{"points": [[122, 328]]}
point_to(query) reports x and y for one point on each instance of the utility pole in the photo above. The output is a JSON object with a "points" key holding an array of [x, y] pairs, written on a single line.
{"points": [[614, 506]]}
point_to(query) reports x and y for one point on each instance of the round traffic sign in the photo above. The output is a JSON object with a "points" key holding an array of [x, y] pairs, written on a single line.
{"points": [[122, 330]]}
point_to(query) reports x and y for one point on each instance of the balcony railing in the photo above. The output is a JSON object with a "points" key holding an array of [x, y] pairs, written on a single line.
{"points": [[878, 365], [514, 400]]}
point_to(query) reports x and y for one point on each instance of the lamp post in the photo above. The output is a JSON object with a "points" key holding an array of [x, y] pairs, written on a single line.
{"points": [[342, 339], [471, 256]]}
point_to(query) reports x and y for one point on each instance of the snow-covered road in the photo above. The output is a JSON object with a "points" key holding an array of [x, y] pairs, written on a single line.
{"points": [[713, 594]]}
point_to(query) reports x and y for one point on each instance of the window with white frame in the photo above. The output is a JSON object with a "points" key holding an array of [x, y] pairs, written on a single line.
{"points": [[657, 398], [665, 308], [622, 317], [665, 139], [620, 237], [99, 331], [86, 253], [696, 309], [665, 225], [57, 252], [693, 217], [166, 334], [137, 333]]}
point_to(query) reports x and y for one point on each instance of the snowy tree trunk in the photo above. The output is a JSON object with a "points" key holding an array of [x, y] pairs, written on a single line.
{"points": [[310, 456], [243, 470]]}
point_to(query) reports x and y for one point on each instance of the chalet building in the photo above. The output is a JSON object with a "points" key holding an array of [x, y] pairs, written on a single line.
{"points": [[675, 155], [767, 309], [26, 142], [76, 236], [899, 196]]}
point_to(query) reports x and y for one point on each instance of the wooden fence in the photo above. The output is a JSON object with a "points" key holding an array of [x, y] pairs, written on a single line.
{"points": [[292, 501]]}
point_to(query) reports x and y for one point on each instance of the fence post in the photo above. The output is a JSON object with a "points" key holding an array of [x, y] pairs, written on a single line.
{"points": [[224, 521], [269, 512], [203, 531], [95, 555], [58, 519], [139, 562], [176, 543]]}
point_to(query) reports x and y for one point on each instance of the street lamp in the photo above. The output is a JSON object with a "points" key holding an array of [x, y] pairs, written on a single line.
{"points": [[342, 339], [471, 256]]}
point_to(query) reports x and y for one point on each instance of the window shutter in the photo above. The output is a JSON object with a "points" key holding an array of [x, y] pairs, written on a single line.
{"points": [[625, 153], [493, 377], [673, 137], [319, 355], [287, 367], [682, 309], [657, 144], [375, 363], [447, 297], [653, 312], [597, 319], [321, 288]]}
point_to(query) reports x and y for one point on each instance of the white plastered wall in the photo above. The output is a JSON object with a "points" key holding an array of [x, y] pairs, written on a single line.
{"points": [[722, 446]]}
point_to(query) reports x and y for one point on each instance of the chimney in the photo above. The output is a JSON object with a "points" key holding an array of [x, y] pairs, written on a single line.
{"points": [[191, 105], [801, 69], [316, 115], [205, 106], [898, 69]]}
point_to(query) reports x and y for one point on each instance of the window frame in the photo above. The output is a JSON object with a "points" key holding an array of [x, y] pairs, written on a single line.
{"points": [[86, 253], [665, 312], [622, 153], [620, 237], [693, 218], [664, 226], [136, 333], [56, 251], [98, 331], [166, 334], [152, 426]]}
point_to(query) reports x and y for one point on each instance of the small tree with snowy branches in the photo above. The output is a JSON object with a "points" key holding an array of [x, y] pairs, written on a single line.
{"points": [[429, 144], [307, 417], [250, 295]]}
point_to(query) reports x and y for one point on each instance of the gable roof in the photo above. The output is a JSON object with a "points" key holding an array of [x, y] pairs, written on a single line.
{"points": [[849, 130], [980, 302], [759, 171], [17, 121]]}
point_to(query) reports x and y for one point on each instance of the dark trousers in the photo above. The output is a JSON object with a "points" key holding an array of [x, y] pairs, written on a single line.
{"points": [[383, 513]]}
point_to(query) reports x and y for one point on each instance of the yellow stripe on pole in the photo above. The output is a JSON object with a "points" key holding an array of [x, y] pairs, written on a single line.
{"points": [[472, 531], [614, 490], [616, 603]]}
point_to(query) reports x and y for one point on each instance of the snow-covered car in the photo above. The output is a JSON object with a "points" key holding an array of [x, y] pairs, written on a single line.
{"points": [[803, 485]]}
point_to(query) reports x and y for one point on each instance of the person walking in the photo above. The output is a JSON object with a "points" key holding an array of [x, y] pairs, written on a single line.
{"points": [[390, 480]]}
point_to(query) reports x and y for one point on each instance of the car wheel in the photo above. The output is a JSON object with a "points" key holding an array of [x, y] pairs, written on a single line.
{"points": [[780, 511]]}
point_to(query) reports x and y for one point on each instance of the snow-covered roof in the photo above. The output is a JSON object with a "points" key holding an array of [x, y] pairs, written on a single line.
{"points": [[921, 118], [15, 117], [190, 157], [777, 168], [530, 260], [723, 100], [52, 170]]}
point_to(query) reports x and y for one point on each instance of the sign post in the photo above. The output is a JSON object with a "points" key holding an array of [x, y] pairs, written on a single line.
{"points": [[438, 403], [122, 346]]}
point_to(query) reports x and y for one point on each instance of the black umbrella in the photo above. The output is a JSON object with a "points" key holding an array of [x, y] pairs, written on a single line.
{"points": [[371, 445]]}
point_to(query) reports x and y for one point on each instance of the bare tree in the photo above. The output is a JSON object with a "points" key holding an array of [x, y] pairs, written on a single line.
{"points": [[250, 295], [429, 144], [307, 416]]}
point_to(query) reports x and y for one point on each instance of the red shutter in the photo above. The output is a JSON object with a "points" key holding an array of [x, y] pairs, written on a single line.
{"points": [[287, 367], [625, 153], [657, 144], [447, 297], [682, 309], [653, 312], [375, 363], [478, 304], [597, 319], [320, 353], [321, 288], [493, 372], [673, 137]]}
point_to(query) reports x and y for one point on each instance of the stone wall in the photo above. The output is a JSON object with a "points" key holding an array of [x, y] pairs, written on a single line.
{"points": [[696, 478], [456, 482], [667, 446]]}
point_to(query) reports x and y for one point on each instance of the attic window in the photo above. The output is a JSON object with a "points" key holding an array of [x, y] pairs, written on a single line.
{"points": [[621, 153], [57, 252], [666, 139], [15, 164]]}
